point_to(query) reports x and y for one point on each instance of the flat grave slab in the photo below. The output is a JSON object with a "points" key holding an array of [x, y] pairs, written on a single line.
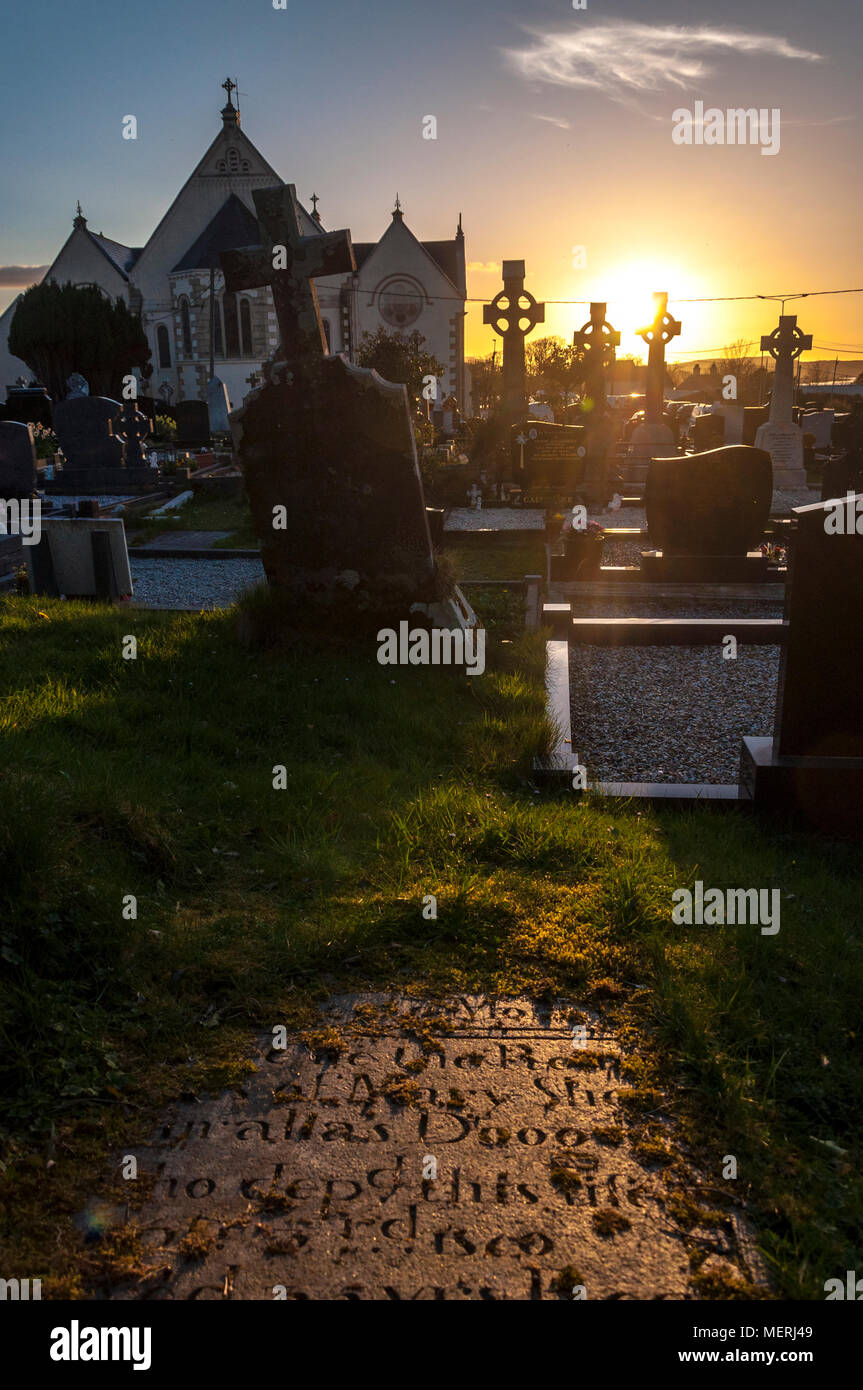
{"points": [[467, 519], [416, 1150]]}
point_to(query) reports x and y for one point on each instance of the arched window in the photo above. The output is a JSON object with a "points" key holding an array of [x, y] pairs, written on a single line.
{"points": [[163, 346], [232, 325], [245, 328], [232, 163], [185, 327]]}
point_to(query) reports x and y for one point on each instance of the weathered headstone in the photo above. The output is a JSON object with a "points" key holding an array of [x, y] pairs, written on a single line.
{"points": [[513, 314], [782, 439], [653, 439], [219, 406], [327, 448], [462, 1150], [706, 514], [80, 557], [814, 762], [17, 460], [819, 423]]}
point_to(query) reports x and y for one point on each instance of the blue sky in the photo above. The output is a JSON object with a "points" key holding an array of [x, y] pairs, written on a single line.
{"points": [[553, 131]]}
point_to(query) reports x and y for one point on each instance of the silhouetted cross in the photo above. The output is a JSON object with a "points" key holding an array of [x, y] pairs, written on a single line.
{"points": [[229, 87], [294, 295], [787, 340]]}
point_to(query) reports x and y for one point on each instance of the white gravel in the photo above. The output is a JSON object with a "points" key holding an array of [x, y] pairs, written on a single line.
{"points": [[669, 714], [192, 583]]}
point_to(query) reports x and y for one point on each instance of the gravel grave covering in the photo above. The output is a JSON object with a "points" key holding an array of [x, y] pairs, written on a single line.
{"points": [[192, 583], [669, 714]]}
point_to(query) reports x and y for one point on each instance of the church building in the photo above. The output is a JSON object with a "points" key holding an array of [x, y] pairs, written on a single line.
{"points": [[401, 284]]}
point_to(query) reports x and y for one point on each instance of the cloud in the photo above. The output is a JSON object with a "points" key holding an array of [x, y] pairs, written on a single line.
{"points": [[11, 276], [552, 120], [624, 59], [484, 267]]}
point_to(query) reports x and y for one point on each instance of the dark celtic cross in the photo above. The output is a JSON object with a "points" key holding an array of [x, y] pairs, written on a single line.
{"points": [[287, 261], [133, 428], [787, 340], [229, 87], [657, 335], [785, 344], [598, 341], [513, 313]]}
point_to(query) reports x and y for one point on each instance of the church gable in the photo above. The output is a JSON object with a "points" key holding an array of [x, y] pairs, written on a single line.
{"points": [[83, 261]]}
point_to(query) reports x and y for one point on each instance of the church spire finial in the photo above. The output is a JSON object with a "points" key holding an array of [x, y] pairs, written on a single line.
{"points": [[397, 210], [79, 220], [230, 112], [314, 201]]}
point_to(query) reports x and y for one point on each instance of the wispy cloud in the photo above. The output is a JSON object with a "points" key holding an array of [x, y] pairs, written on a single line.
{"points": [[484, 267], [11, 276], [624, 59], [552, 120]]}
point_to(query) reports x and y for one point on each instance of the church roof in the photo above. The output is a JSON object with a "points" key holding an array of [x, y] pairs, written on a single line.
{"points": [[443, 253], [121, 257], [233, 225]]}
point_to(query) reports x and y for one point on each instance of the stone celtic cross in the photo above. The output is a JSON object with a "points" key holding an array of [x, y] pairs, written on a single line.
{"points": [[785, 344], [513, 313], [657, 335], [598, 341], [287, 261]]}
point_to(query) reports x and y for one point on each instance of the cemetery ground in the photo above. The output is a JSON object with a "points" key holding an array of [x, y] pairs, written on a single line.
{"points": [[154, 777]]}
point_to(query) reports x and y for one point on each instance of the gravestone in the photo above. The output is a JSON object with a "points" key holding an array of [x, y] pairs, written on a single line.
{"points": [[598, 341], [80, 557], [29, 405], [782, 439], [17, 460], [549, 457], [460, 1150], [219, 406], [706, 513], [76, 386], [732, 416], [327, 448], [132, 429], [88, 430], [513, 313], [166, 391], [193, 423], [814, 762], [653, 439], [819, 423]]}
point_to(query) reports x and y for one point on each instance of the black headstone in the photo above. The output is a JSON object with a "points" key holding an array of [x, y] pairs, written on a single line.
{"points": [[545, 455], [715, 503], [193, 423], [85, 429], [30, 404], [17, 460]]}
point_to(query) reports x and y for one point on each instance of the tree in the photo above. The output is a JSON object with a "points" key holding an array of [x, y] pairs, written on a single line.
{"points": [[739, 363], [400, 357], [61, 329]]}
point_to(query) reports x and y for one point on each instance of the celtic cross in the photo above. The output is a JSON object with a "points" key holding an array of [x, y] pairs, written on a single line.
{"points": [[513, 313], [657, 335]]}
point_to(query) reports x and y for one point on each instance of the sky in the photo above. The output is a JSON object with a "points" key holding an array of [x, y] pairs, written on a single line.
{"points": [[554, 141]]}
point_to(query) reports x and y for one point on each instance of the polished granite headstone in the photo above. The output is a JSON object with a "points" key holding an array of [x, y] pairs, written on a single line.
{"points": [[17, 460], [814, 762], [706, 513]]}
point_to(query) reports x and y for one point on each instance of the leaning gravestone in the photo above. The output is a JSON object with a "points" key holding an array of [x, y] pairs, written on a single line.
{"points": [[80, 558], [706, 513], [17, 460], [327, 448], [814, 762], [465, 1149]]}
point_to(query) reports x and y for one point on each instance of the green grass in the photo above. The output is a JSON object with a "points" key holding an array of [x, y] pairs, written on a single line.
{"points": [[498, 557], [153, 778], [202, 513]]}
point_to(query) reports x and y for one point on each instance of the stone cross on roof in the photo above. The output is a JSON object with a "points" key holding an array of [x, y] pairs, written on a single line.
{"points": [[287, 261]]}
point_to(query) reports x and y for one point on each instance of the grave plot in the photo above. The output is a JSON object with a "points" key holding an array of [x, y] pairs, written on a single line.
{"points": [[407, 1149]]}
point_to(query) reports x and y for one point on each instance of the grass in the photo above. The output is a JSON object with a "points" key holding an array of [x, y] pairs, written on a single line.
{"points": [[202, 513], [499, 557], [152, 780]]}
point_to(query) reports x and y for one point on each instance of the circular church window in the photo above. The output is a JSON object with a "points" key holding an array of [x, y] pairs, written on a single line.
{"points": [[400, 302]]}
